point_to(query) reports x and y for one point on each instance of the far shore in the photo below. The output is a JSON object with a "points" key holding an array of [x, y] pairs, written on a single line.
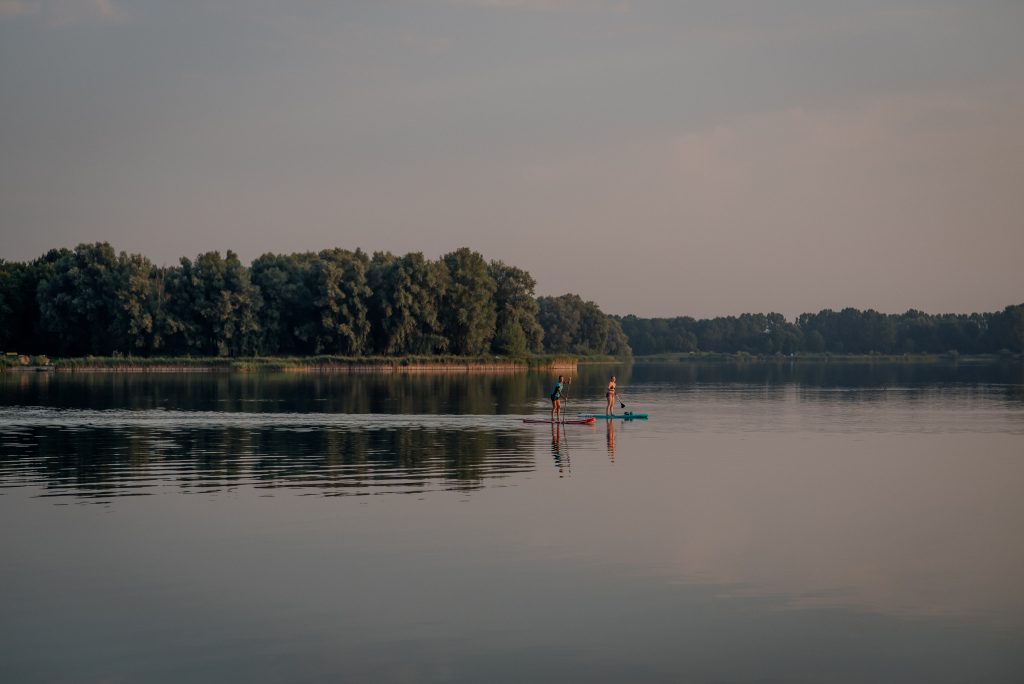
{"points": [[454, 364], [312, 364]]}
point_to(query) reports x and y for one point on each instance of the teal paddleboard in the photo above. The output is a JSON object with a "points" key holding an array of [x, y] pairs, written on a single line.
{"points": [[623, 416]]}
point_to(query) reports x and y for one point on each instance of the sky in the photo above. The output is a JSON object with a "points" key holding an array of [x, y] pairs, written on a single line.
{"points": [[660, 157]]}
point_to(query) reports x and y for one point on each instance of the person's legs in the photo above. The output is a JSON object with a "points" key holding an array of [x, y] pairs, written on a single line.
{"points": [[611, 403], [558, 408], [554, 403]]}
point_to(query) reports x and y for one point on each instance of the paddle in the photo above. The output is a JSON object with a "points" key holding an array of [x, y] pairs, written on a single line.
{"points": [[565, 399]]}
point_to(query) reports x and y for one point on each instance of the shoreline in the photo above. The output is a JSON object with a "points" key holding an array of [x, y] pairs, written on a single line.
{"points": [[399, 365], [313, 364]]}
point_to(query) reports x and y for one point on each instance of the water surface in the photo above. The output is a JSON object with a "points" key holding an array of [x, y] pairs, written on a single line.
{"points": [[770, 523]]}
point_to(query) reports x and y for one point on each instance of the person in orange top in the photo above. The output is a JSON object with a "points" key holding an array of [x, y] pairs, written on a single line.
{"points": [[610, 396]]}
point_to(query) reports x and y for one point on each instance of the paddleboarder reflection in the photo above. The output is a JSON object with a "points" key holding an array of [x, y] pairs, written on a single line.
{"points": [[560, 451], [611, 440]]}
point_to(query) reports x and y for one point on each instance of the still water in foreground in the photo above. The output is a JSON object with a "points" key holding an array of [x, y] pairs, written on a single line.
{"points": [[769, 523]]}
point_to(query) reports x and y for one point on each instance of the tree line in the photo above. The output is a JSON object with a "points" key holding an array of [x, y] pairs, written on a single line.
{"points": [[849, 331], [91, 300]]}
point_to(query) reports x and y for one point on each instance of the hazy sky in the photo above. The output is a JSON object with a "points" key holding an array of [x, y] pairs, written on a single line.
{"points": [[660, 157]]}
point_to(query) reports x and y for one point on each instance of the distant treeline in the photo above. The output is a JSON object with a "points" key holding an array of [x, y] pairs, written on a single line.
{"points": [[94, 301], [849, 331]]}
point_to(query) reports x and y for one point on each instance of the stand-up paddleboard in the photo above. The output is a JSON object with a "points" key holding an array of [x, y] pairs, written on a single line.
{"points": [[568, 421], [623, 416]]}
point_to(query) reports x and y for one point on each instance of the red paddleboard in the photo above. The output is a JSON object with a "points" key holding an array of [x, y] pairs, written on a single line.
{"points": [[571, 421]]}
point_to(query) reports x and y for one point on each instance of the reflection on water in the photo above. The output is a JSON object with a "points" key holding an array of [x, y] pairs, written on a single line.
{"points": [[838, 374], [98, 436], [560, 450], [770, 522], [610, 433], [102, 454], [439, 394]]}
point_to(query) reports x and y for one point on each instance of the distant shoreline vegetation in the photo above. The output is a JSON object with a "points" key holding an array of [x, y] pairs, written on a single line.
{"points": [[92, 302], [457, 364], [321, 364], [834, 333]]}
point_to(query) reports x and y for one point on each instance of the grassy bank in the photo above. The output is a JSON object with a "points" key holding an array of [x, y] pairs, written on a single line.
{"points": [[325, 363], [600, 358]]}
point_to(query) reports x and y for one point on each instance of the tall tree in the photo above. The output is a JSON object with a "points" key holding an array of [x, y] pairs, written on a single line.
{"points": [[405, 305], [95, 301], [213, 306], [516, 305], [19, 309], [617, 344], [560, 318], [510, 340], [576, 326], [287, 313], [1006, 331], [469, 313], [140, 304], [341, 296]]}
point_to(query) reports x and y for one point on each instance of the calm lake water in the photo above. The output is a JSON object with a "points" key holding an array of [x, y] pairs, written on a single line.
{"points": [[769, 523]]}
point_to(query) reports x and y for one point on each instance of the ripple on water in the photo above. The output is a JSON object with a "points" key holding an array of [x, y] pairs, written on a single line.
{"points": [[97, 455]]}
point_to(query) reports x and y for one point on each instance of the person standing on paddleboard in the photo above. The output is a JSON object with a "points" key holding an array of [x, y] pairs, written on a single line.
{"points": [[556, 398], [610, 397]]}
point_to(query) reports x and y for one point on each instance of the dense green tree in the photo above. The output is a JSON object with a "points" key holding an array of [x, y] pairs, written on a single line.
{"points": [[1006, 331], [405, 304], [11, 275], [96, 301], [340, 297], [19, 312], [560, 318], [659, 335], [515, 303], [851, 331], [847, 331], [617, 344], [469, 314], [6, 312], [76, 308], [23, 300], [783, 337], [213, 306], [510, 340], [91, 300], [141, 302], [576, 326], [814, 342], [287, 311]]}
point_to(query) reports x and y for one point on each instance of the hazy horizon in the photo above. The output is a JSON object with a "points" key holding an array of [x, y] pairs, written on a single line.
{"points": [[659, 158]]}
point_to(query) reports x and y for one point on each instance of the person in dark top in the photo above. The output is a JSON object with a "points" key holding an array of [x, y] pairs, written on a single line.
{"points": [[556, 399]]}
